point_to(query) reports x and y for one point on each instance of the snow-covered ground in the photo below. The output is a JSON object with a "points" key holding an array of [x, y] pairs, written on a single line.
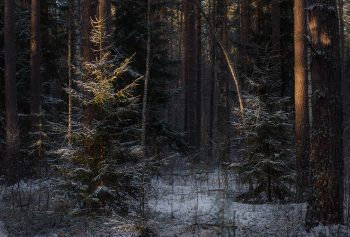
{"points": [[3, 232], [197, 203], [196, 208]]}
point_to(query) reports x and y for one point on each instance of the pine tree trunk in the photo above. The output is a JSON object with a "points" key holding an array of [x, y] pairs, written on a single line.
{"points": [[77, 23], [180, 104], [106, 17], [144, 108], [325, 201], [171, 112], [199, 80], [71, 60], [276, 45], [243, 35], [35, 71], [192, 76], [89, 11], [227, 80], [12, 136], [257, 19], [212, 84], [302, 138], [186, 68]]}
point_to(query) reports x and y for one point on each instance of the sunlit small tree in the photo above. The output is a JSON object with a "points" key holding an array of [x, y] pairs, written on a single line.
{"points": [[97, 162]]}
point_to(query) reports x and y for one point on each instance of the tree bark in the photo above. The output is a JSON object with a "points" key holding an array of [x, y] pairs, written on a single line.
{"points": [[325, 201], [276, 45], [227, 79], [302, 137], [180, 104], [12, 135], [144, 108], [192, 75], [186, 68], [106, 17], [35, 71], [89, 11], [171, 112], [212, 84], [77, 23], [243, 38], [199, 80], [71, 60]]}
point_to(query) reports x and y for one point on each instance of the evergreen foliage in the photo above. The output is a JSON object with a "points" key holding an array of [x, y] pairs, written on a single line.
{"points": [[97, 162], [267, 158], [266, 133]]}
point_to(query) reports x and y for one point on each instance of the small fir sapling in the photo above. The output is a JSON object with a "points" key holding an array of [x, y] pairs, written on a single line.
{"points": [[97, 164], [267, 160]]}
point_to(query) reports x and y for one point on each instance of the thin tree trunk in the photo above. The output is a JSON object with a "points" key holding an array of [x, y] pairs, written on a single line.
{"points": [[10, 92], [257, 19], [325, 201], [212, 84], [276, 45], [89, 11], [77, 23], [35, 72], [226, 57], [71, 59], [144, 108], [106, 17], [302, 138], [227, 79], [243, 38], [179, 107], [171, 112], [192, 75], [341, 26], [186, 67], [199, 80]]}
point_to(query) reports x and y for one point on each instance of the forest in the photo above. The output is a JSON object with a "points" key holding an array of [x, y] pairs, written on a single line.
{"points": [[153, 118]]}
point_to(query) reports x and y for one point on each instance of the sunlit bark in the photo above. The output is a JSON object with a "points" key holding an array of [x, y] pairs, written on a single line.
{"points": [[89, 11], [302, 138], [325, 201]]}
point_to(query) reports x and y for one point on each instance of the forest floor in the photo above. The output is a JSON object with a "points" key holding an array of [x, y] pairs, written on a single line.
{"points": [[186, 201], [199, 203]]}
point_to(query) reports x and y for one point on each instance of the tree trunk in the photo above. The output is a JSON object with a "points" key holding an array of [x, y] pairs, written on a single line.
{"points": [[186, 67], [212, 84], [243, 38], [71, 60], [10, 92], [106, 17], [171, 112], [192, 76], [35, 72], [227, 80], [144, 108], [77, 23], [276, 45], [257, 20], [180, 104], [325, 201], [302, 138], [199, 80], [89, 11]]}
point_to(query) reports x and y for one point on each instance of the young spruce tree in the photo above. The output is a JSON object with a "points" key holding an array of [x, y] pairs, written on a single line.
{"points": [[97, 164], [267, 160]]}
